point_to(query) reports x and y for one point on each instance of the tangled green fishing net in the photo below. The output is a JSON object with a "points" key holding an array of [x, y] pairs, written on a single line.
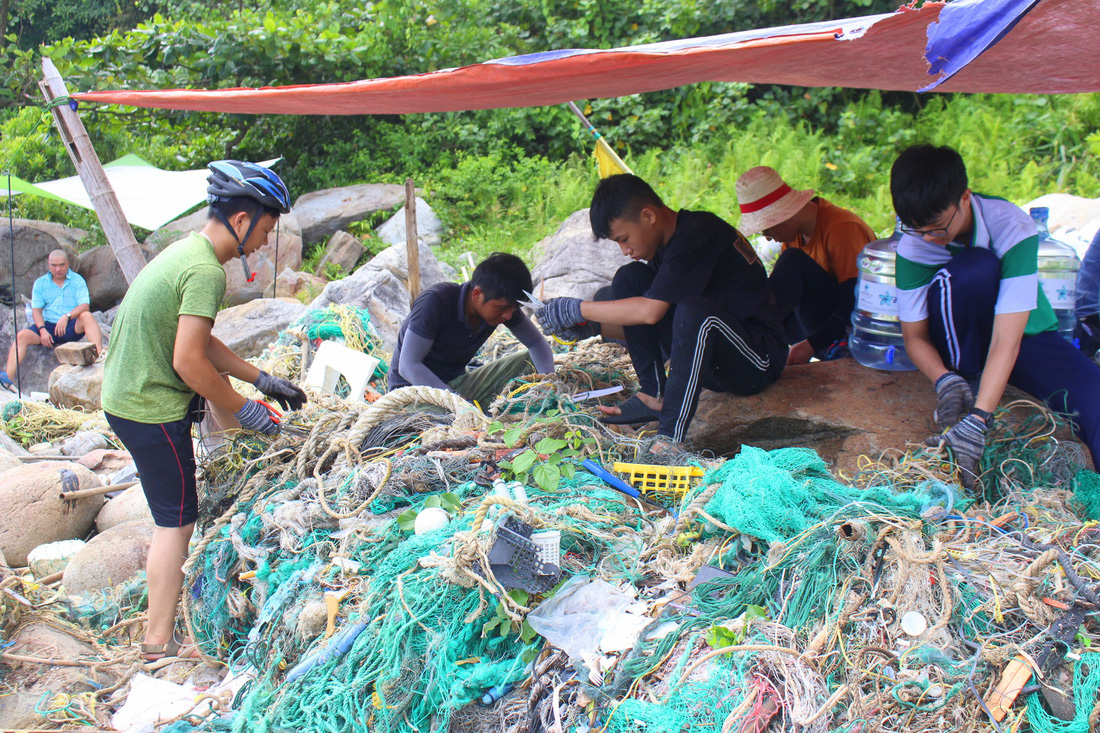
{"points": [[1086, 485], [776, 495], [1086, 692]]}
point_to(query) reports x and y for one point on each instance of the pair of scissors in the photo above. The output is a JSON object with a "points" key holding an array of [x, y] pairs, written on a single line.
{"points": [[537, 305]]}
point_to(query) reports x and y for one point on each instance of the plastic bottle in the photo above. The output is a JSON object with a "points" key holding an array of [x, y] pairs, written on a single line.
{"points": [[1058, 266], [876, 339]]}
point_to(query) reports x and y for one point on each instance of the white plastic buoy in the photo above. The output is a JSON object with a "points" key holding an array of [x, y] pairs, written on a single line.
{"points": [[913, 623], [431, 519]]}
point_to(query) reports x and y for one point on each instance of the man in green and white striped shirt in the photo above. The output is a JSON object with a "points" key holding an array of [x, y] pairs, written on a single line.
{"points": [[973, 314]]}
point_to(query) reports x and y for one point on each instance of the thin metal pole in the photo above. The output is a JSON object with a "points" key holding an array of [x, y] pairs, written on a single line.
{"points": [[14, 322]]}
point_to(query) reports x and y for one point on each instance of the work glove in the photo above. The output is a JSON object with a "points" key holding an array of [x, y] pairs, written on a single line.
{"points": [[254, 416], [580, 332], [953, 400], [284, 391], [560, 314], [966, 441]]}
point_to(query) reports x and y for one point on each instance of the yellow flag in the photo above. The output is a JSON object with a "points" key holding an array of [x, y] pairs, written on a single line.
{"points": [[609, 162]]}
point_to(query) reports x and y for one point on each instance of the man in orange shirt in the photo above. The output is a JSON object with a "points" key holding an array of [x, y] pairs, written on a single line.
{"points": [[814, 279]]}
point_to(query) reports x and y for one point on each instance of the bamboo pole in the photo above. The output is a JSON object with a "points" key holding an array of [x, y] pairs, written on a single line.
{"points": [[115, 227], [412, 243], [98, 491]]}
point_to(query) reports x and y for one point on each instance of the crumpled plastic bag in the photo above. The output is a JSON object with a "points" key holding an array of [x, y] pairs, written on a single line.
{"points": [[588, 616]]}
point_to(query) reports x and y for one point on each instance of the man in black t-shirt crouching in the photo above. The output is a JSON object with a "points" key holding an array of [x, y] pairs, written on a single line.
{"points": [[450, 322], [697, 292]]}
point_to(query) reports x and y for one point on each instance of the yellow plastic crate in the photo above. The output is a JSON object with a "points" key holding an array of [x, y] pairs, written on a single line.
{"points": [[649, 478]]}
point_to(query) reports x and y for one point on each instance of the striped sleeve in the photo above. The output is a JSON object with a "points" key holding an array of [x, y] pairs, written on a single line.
{"points": [[1019, 292], [913, 279]]}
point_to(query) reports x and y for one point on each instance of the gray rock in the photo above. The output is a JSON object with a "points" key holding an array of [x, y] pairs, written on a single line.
{"points": [[33, 244], [83, 443], [381, 287], [8, 460], [249, 328], [323, 213], [39, 363], [106, 283], [176, 230], [301, 285], [429, 228], [262, 262], [77, 387], [342, 250], [574, 263]]}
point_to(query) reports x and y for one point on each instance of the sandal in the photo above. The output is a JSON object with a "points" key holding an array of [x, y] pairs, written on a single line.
{"points": [[170, 649], [632, 412], [5, 381]]}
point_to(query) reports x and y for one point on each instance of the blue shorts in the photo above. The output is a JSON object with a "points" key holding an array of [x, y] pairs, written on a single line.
{"points": [[165, 460], [70, 332]]}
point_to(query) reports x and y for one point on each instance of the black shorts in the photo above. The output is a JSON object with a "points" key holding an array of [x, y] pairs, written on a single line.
{"points": [[165, 460], [70, 333]]}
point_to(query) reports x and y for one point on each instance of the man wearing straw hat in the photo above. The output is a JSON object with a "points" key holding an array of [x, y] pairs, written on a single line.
{"points": [[696, 291], [814, 279]]}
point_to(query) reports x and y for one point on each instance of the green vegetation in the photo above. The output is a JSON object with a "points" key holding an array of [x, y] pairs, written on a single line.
{"points": [[504, 179]]}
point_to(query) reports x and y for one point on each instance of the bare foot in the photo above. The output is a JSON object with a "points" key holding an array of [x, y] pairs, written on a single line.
{"points": [[651, 402]]}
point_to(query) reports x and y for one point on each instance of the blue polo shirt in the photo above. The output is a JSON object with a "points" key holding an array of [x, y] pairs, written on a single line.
{"points": [[439, 315], [57, 300]]}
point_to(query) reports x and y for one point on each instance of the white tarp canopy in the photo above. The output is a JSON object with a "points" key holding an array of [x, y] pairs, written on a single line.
{"points": [[150, 197]]}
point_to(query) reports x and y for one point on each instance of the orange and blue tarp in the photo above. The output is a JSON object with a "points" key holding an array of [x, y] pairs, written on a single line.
{"points": [[1017, 46]]}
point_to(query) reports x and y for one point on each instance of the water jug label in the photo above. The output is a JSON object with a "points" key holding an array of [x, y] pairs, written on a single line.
{"points": [[1061, 292], [878, 298]]}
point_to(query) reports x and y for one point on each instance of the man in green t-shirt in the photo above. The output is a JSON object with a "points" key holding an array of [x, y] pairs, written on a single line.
{"points": [[164, 365]]}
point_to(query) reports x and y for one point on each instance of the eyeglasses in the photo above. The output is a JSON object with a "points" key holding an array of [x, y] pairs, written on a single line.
{"points": [[937, 233]]}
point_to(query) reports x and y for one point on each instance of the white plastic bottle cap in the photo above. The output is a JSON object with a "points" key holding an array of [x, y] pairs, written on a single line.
{"points": [[914, 623], [430, 519]]}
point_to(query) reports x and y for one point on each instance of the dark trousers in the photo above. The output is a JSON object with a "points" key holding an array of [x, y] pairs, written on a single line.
{"points": [[960, 322], [813, 304], [707, 346]]}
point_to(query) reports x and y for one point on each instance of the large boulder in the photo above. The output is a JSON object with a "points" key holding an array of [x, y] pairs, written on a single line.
{"points": [[429, 227], [573, 262], [110, 558], [33, 511], [249, 328], [176, 230], [105, 462], [381, 286], [34, 240], [106, 283], [343, 250], [7, 460], [77, 387], [841, 409], [323, 213], [129, 506]]}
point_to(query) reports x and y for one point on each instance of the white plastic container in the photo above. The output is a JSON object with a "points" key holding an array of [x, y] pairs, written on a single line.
{"points": [[876, 339], [1058, 266], [549, 543]]}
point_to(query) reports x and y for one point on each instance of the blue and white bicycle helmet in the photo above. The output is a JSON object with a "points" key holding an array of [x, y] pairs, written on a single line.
{"points": [[232, 178]]}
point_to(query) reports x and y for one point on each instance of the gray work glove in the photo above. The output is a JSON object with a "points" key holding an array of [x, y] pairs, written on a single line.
{"points": [[560, 314], [966, 441], [953, 400], [580, 332], [282, 390], [254, 416]]}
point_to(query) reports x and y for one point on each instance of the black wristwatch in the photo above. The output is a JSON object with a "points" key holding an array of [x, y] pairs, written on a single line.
{"points": [[981, 413]]}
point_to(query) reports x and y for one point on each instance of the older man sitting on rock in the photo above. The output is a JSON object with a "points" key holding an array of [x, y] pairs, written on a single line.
{"points": [[61, 309]]}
